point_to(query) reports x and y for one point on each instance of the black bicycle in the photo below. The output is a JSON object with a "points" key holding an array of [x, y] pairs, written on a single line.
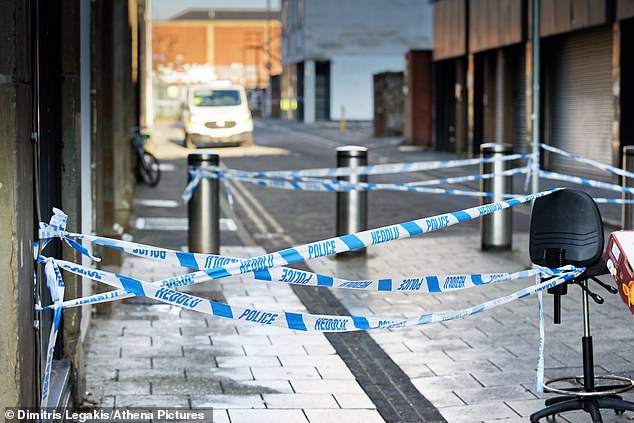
{"points": [[147, 168]]}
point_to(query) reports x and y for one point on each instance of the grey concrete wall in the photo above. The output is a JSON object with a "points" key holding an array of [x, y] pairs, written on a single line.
{"points": [[17, 344]]}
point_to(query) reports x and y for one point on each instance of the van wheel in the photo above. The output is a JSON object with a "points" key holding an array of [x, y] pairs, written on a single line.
{"points": [[189, 143]]}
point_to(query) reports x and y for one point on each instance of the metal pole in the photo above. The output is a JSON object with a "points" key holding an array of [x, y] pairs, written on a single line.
{"points": [[496, 228], [535, 96], [627, 210], [204, 208], [352, 206]]}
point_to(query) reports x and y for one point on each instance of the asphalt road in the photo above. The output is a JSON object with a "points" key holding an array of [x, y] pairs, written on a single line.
{"points": [[309, 216]]}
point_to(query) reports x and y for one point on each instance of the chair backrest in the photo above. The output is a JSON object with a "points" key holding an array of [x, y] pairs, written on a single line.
{"points": [[567, 220]]}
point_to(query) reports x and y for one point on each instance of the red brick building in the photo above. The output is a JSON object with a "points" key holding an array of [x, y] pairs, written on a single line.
{"points": [[233, 42]]}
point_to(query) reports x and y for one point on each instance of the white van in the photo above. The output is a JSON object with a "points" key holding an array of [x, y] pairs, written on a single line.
{"points": [[217, 112]]}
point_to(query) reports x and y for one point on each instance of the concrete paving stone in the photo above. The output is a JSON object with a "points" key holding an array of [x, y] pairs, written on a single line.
{"points": [[504, 378], [354, 401], [443, 398], [467, 413], [126, 387], [453, 382], [195, 362], [267, 416], [493, 394], [107, 402], [299, 401], [248, 361], [132, 363], [257, 387], [240, 340], [335, 372], [276, 350], [348, 416], [442, 369], [319, 349], [307, 339], [151, 351], [182, 387], [331, 386], [410, 358], [156, 374], [233, 373], [227, 401], [260, 330], [160, 341], [220, 416], [526, 407], [171, 401], [417, 370], [285, 373], [103, 350], [496, 354], [208, 352], [312, 360]]}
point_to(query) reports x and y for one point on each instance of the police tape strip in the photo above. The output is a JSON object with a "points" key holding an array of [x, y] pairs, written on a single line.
{"points": [[421, 284], [333, 185], [297, 321], [613, 201], [327, 185], [587, 182], [594, 163], [416, 284], [330, 246], [469, 178], [55, 285], [385, 168]]}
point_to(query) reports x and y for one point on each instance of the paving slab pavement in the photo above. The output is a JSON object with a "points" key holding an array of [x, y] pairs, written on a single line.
{"points": [[474, 370]]}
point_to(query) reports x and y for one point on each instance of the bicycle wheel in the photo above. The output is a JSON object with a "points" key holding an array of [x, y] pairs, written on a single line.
{"points": [[149, 169]]}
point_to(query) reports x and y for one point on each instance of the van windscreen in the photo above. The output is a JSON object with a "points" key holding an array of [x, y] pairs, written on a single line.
{"points": [[216, 98]]}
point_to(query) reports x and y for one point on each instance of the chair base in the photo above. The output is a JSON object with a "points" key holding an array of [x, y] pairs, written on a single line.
{"points": [[590, 404]]}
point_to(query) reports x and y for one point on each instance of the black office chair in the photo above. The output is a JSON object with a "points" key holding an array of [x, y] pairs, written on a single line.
{"points": [[566, 228]]}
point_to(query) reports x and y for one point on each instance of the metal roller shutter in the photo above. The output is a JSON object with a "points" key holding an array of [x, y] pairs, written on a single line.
{"points": [[520, 142], [579, 116]]}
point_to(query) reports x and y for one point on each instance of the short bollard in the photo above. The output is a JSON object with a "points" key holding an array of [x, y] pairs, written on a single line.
{"points": [[627, 210], [204, 209], [496, 228], [352, 206]]}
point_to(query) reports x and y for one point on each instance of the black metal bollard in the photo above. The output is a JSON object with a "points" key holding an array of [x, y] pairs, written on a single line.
{"points": [[352, 206], [204, 208], [496, 228]]}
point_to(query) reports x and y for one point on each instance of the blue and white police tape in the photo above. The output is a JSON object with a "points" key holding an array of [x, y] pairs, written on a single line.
{"points": [[539, 380], [469, 178], [197, 173], [299, 321], [594, 163], [613, 201], [344, 243], [55, 285], [330, 185], [587, 182], [419, 284], [422, 284], [377, 169]]}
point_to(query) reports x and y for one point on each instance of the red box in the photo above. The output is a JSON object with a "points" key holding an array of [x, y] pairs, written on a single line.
{"points": [[619, 258]]}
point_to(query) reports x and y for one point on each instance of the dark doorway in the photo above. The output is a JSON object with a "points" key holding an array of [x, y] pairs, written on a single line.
{"points": [[322, 90]]}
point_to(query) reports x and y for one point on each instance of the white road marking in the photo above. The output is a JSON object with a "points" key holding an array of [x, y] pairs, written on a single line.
{"points": [[149, 202], [176, 224]]}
